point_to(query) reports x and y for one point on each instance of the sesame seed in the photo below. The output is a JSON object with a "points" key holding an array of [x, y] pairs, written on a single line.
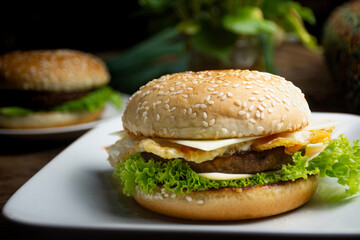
{"points": [[260, 128], [247, 116], [224, 130], [172, 109], [205, 124], [172, 88], [157, 117], [190, 111], [167, 106], [165, 131], [212, 122], [197, 105], [205, 115], [203, 105], [188, 198], [270, 110], [172, 118], [237, 103], [251, 107], [190, 88], [258, 114], [184, 111], [242, 113], [211, 102], [200, 202], [255, 92], [249, 87], [252, 120], [207, 98], [185, 96], [261, 108], [223, 97], [229, 94]]}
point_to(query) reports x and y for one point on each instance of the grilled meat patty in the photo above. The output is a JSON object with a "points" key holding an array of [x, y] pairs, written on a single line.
{"points": [[239, 162]]}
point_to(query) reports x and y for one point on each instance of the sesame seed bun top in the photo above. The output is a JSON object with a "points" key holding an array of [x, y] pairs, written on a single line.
{"points": [[215, 105], [52, 70]]}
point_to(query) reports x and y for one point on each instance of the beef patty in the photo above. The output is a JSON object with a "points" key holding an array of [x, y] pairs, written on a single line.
{"points": [[239, 162], [37, 99]]}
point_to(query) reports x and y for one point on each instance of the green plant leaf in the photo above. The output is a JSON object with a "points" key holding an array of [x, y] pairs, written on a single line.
{"points": [[214, 41], [248, 21]]}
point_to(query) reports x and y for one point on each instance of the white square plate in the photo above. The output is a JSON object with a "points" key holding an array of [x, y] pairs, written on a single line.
{"points": [[76, 190]]}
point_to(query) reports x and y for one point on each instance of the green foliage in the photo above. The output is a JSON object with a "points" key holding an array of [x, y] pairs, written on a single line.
{"points": [[237, 17], [161, 54]]}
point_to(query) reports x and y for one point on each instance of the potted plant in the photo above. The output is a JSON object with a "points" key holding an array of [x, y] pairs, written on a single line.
{"points": [[233, 33]]}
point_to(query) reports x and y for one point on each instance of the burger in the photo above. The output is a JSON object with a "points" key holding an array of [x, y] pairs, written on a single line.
{"points": [[51, 88], [225, 145]]}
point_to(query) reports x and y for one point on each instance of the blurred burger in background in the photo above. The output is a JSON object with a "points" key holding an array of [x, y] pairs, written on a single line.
{"points": [[51, 88]]}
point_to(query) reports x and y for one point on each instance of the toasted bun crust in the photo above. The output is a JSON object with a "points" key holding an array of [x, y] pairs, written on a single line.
{"points": [[52, 70], [48, 119], [215, 105], [232, 203]]}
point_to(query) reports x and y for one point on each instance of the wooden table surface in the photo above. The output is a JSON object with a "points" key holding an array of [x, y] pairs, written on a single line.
{"points": [[20, 160]]}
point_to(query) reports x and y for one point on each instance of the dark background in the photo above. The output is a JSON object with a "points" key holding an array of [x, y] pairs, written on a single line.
{"points": [[94, 27]]}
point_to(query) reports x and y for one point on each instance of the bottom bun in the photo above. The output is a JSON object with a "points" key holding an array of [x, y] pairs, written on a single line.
{"points": [[231, 203], [48, 119]]}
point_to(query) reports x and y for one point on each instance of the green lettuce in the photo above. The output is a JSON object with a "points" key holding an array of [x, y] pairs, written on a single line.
{"points": [[340, 159], [91, 102]]}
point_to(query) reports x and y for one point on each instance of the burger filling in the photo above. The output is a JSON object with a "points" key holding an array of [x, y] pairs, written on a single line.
{"points": [[37, 99], [239, 162], [147, 163], [17, 102]]}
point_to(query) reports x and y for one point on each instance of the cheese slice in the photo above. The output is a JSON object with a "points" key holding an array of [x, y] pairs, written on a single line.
{"points": [[209, 145], [224, 176], [321, 124], [312, 150]]}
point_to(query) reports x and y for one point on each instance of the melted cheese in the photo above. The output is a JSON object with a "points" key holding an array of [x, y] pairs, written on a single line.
{"points": [[224, 176], [208, 145], [204, 150]]}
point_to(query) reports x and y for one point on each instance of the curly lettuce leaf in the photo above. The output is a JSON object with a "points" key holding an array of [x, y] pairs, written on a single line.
{"points": [[340, 159], [14, 111], [176, 176], [91, 102]]}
